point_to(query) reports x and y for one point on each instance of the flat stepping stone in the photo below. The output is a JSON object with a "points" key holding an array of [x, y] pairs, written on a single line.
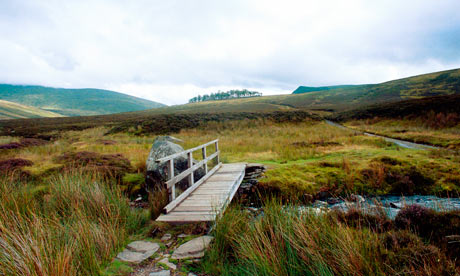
{"points": [[143, 246], [138, 251], [193, 249], [160, 273]]}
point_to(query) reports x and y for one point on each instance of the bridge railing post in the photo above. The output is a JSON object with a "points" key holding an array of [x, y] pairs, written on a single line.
{"points": [[172, 191], [190, 165], [203, 151], [217, 150]]}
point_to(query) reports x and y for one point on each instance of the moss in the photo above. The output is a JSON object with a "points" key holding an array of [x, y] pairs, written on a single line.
{"points": [[117, 268], [132, 183]]}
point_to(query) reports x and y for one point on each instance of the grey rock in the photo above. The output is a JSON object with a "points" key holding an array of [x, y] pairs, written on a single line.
{"points": [[320, 204], [169, 264], [161, 273], [333, 200], [157, 173], [143, 246], [357, 198], [134, 257], [166, 237], [193, 249], [182, 236], [191, 274]]}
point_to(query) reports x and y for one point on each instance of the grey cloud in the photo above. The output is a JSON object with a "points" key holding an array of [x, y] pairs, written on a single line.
{"points": [[146, 47]]}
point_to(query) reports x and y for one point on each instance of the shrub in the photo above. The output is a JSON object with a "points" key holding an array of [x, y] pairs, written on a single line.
{"points": [[107, 165], [416, 218], [407, 253], [357, 219]]}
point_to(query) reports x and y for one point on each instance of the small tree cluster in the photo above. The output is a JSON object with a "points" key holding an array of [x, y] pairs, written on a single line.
{"points": [[220, 95]]}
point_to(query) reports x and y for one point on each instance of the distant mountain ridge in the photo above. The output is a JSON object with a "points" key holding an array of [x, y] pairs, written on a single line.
{"points": [[74, 102], [306, 89], [425, 85]]}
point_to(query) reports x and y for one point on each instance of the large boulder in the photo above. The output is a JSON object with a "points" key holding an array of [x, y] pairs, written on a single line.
{"points": [[157, 173]]}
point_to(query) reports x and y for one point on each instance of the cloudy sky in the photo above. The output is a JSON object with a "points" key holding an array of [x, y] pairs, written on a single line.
{"points": [[170, 51]]}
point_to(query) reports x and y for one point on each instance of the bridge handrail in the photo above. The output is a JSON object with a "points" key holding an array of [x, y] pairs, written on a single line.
{"points": [[173, 180]]}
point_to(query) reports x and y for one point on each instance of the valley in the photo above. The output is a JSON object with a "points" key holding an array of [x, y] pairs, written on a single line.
{"points": [[75, 186]]}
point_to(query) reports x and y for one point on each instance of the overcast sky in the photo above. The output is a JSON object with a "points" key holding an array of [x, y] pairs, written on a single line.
{"points": [[169, 51]]}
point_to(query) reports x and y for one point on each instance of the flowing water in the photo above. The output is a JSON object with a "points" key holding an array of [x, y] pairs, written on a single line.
{"points": [[401, 143]]}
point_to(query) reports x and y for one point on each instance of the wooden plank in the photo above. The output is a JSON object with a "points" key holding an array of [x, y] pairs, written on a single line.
{"points": [[172, 156], [211, 192], [186, 218], [187, 192], [195, 208], [194, 204]]}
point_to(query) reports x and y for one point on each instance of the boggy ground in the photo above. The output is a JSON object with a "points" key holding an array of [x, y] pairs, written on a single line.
{"points": [[306, 159]]}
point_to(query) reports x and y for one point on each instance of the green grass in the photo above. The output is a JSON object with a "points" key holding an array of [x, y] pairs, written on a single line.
{"points": [[73, 102], [10, 110]]}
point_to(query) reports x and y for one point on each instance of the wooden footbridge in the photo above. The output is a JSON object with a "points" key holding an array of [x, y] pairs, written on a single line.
{"points": [[206, 198]]}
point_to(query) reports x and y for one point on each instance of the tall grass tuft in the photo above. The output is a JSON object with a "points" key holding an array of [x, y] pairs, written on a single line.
{"points": [[70, 226], [287, 240]]}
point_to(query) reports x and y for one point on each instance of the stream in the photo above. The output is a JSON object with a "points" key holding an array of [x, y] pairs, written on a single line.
{"points": [[401, 143], [390, 205]]}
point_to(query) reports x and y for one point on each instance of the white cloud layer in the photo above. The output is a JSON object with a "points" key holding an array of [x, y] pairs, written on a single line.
{"points": [[170, 51]]}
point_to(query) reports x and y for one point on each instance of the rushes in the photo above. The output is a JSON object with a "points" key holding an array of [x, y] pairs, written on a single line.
{"points": [[287, 240], [71, 229]]}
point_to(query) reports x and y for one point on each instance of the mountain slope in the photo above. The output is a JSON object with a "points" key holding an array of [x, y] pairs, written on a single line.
{"points": [[321, 102], [426, 85], [307, 89], [10, 110], [74, 102]]}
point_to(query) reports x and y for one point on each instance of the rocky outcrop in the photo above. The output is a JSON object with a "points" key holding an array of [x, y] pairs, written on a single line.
{"points": [[248, 188]]}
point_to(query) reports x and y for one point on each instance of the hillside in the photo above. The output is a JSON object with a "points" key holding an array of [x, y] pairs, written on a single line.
{"points": [[74, 102], [10, 110], [323, 102], [307, 89], [426, 85], [413, 108]]}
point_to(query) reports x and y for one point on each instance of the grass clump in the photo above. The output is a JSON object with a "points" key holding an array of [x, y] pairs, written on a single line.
{"points": [[286, 240], [72, 227]]}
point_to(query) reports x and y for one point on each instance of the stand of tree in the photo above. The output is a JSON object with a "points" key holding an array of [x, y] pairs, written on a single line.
{"points": [[231, 94]]}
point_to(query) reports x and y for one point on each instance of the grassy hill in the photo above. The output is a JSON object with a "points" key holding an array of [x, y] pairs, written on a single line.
{"points": [[74, 102], [426, 85], [307, 89], [10, 110], [325, 102]]}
